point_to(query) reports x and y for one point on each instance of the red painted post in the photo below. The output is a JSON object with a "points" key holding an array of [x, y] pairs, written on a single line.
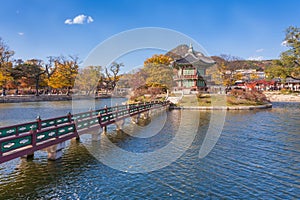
{"points": [[17, 131], [128, 108], [33, 137], [39, 122], [105, 107], [1, 150], [91, 112], [99, 118], [69, 117], [91, 115], [117, 107], [70, 121]]}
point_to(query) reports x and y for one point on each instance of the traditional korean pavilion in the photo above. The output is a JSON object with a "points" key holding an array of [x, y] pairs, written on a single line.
{"points": [[190, 74]]}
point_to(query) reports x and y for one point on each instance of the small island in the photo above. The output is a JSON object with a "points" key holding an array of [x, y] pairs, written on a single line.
{"points": [[181, 77]]}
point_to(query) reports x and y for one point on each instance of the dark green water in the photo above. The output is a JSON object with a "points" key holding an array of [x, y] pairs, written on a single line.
{"points": [[256, 157]]}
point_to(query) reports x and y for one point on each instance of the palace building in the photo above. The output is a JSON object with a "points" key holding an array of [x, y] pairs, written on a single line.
{"points": [[190, 72]]}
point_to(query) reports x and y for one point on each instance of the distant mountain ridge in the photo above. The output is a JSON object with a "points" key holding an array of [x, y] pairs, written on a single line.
{"points": [[181, 50]]}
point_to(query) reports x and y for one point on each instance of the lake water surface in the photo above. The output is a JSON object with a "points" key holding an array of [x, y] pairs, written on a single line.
{"points": [[256, 157]]}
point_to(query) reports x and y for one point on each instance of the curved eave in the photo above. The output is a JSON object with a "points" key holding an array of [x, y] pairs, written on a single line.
{"points": [[199, 62]]}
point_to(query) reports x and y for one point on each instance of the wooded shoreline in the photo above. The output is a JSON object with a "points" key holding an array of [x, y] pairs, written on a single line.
{"points": [[42, 98]]}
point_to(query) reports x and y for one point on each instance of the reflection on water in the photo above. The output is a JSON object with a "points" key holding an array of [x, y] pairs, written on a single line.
{"points": [[256, 157]]}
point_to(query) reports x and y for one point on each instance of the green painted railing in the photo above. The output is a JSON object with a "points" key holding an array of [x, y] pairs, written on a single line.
{"points": [[15, 143], [46, 135], [8, 131]]}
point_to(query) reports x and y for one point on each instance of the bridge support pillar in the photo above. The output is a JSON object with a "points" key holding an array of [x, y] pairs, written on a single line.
{"points": [[96, 136], [77, 138], [135, 119], [120, 124], [55, 151], [145, 115], [104, 129], [29, 156]]}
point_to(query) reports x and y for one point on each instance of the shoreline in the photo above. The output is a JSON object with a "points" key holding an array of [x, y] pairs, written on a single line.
{"points": [[45, 98], [33, 98], [275, 97], [265, 106]]}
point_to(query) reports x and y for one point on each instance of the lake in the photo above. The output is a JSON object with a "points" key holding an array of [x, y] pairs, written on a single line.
{"points": [[257, 156]]}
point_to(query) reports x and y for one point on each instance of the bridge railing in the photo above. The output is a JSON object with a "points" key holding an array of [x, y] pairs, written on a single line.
{"points": [[22, 139]]}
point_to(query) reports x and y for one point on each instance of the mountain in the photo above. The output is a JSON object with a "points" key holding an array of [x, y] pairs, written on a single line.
{"points": [[243, 64], [179, 52]]}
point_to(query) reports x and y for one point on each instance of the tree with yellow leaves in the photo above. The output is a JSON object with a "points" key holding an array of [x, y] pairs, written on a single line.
{"points": [[5, 64], [158, 71], [64, 74], [158, 60], [88, 79]]}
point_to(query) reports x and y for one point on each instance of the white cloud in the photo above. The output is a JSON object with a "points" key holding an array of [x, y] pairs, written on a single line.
{"points": [[80, 19], [259, 50], [68, 21], [256, 58], [21, 33], [90, 19]]}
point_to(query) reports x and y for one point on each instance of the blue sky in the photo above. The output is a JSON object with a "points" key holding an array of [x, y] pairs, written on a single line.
{"points": [[38, 28]]}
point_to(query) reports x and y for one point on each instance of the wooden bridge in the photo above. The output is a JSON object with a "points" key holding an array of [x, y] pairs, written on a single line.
{"points": [[22, 140]]}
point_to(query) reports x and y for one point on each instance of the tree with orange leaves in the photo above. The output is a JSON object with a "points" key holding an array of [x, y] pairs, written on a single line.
{"points": [[159, 60]]}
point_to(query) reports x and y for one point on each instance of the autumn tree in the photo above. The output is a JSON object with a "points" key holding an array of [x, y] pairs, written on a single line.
{"points": [[65, 73], [5, 64], [159, 75], [289, 62], [111, 78], [32, 70], [226, 69], [50, 67], [154, 78], [158, 60], [137, 78], [88, 79], [291, 57], [253, 76], [158, 71]]}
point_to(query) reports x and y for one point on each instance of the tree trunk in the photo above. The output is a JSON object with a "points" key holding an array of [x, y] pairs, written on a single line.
{"points": [[37, 86], [68, 91]]}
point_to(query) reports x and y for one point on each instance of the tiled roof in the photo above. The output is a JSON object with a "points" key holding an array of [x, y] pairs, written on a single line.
{"points": [[292, 80]]}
